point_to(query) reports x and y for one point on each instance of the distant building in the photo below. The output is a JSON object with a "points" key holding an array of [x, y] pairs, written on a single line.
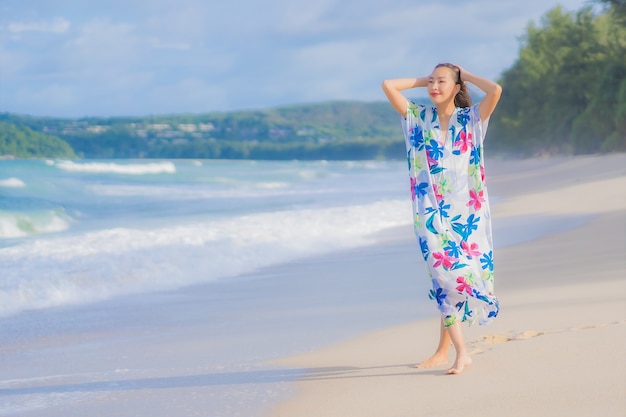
{"points": [[206, 127], [158, 126], [187, 127], [97, 129]]}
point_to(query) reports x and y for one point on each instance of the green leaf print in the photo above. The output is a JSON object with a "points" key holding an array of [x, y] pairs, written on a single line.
{"points": [[449, 320]]}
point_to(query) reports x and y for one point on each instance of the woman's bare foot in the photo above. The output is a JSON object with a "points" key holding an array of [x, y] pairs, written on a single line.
{"points": [[437, 359], [459, 364]]}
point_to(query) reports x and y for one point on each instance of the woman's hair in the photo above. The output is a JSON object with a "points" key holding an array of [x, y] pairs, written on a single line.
{"points": [[462, 98]]}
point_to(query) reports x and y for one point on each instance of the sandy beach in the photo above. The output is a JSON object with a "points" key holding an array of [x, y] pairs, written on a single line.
{"points": [[557, 346], [337, 335]]}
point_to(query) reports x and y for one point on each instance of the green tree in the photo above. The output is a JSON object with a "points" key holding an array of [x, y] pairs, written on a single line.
{"points": [[23, 142], [563, 93], [547, 88], [116, 142], [617, 8]]}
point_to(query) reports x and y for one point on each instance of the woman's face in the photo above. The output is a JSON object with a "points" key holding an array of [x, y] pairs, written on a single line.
{"points": [[442, 85]]}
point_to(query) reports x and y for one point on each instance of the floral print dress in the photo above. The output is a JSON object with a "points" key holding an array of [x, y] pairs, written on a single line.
{"points": [[452, 219]]}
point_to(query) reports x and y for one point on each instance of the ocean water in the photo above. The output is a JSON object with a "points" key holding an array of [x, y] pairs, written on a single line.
{"points": [[76, 232]]}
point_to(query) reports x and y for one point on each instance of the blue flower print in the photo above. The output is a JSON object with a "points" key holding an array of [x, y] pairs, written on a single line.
{"points": [[443, 209], [437, 293], [472, 224], [453, 249], [420, 189], [466, 229], [487, 260], [417, 138], [463, 116], [424, 248], [433, 150], [475, 155]]}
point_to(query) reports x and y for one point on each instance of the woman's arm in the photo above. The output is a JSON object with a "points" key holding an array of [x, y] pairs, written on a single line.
{"points": [[492, 89], [393, 88]]}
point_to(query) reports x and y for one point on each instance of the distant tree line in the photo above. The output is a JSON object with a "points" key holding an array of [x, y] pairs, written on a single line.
{"points": [[360, 149], [333, 130], [565, 94]]}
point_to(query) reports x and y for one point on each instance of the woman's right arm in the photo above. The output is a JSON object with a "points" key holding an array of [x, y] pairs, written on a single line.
{"points": [[393, 88]]}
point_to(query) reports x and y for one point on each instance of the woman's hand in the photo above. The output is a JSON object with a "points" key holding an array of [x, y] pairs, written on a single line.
{"points": [[492, 90], [461, 72]]}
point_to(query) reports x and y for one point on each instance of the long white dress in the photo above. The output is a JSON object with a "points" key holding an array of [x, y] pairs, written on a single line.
{"points": [[452, 219]]}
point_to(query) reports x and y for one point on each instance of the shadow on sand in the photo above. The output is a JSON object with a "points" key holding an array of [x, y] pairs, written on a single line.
{"points": [[219, 379]]}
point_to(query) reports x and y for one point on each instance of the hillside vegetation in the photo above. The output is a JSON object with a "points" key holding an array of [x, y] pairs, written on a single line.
{"points": [[23, 142], [335, 130]]}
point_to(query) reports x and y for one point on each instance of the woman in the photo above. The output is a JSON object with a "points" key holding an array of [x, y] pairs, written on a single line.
{"points": [[450, 204]]}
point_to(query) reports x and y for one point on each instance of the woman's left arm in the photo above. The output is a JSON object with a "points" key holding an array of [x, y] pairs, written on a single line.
{"points": [[492, 89]]}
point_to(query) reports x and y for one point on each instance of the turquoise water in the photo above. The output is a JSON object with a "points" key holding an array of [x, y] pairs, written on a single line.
{"points": [[80, 231]]}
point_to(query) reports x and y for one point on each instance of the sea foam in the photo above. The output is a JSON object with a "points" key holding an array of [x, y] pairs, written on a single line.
{"points": [[14, 225], [97, 265], [12, 182], [164, 167]]}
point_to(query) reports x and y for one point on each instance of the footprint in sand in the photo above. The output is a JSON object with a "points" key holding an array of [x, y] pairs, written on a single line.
{"points": [[496, 339], [528, 334]]}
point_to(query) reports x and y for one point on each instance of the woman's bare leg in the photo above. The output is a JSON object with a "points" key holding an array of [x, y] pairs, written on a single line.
{"points": [[441, 354], [462, 357]]}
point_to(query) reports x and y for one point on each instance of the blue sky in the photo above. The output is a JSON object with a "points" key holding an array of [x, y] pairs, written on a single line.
{"points": [[70, 58]]}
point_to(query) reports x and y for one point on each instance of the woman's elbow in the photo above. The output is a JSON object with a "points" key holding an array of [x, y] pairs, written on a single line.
{"points": [[497, 90]]}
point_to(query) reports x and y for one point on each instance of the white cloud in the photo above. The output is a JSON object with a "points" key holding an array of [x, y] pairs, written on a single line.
{"points": [[157, 43], [299, 18], [51, 96], [139, 56], [102, 33], [58, 25]]}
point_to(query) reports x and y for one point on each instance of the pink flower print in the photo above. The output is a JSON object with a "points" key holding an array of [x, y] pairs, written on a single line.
{"points": [[476, 199], [438, 195], [482, 173], [413, 184], [465, 140], [463, 285], [431, 161], [444, 259], [470, 249]]}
